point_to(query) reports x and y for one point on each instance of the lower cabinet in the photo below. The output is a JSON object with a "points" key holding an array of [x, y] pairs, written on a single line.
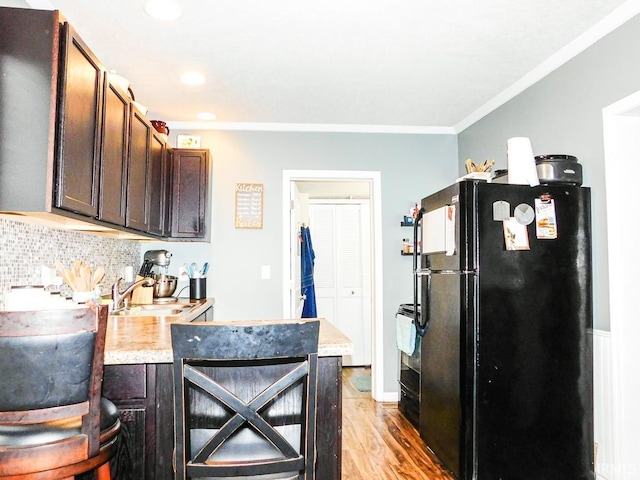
{"points": [[144, 396]]}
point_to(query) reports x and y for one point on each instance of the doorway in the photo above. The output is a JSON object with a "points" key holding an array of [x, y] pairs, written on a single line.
{"points": [[292, 179], [621, 122], [341, 236]]}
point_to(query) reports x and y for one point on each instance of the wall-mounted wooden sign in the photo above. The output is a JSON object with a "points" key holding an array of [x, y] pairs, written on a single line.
{"points": [[249, 205]]}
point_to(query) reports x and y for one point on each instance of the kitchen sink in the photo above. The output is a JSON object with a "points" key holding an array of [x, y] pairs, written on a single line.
{"points": [[164, 306], [160, 310]]}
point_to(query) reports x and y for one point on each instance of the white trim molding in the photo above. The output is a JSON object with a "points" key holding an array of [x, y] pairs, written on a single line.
{"points": [[377, 369], [621, 127]]}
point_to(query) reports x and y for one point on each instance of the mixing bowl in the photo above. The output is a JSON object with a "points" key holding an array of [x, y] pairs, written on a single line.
{"points": [[165, 285]]}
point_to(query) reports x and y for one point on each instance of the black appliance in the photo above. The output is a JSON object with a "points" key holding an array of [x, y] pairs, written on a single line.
{"points": [[409, 378], [506, 370], [410, 364], [558, 168]]}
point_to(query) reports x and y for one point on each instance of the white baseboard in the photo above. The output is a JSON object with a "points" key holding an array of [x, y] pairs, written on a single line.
{"points": [[389, 397]]}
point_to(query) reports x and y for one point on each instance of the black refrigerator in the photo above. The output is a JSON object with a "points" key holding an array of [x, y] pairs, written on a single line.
{"points": [[506, 300]]}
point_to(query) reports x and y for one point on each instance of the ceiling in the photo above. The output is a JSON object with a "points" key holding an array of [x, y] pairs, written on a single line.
{"points": [[338, 65]]}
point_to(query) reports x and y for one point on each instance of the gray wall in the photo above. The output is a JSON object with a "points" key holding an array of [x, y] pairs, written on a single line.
{"points": [[411, 166], [562, 113]]}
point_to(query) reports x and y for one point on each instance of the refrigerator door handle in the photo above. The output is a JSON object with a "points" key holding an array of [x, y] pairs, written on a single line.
{"points": [[428, 271], [425, 312], [416, 223], [422, 321]]}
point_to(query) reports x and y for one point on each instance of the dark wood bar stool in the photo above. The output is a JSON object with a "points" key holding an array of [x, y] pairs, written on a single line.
{"points": [[245, 399], [53, 422]]}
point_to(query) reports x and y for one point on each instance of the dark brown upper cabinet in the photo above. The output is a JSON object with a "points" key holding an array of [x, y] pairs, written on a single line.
{"points": [[115, 154], [139, 178], [79, 125], [158, 186], [190, 178], [28, 72], [73, 145]]}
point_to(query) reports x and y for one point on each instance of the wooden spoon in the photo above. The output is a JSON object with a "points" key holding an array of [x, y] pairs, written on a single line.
{"points": [[70, 280], [97, 276], [67, 276], [86, 277], [77, 268]]}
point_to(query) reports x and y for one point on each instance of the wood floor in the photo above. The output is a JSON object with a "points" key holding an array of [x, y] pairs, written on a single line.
{"points": [[378, 443]]}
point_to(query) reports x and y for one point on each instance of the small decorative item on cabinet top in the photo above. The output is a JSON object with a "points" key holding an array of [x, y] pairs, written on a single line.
{"points": [[188, 141], [160, 126], [249, 205]]}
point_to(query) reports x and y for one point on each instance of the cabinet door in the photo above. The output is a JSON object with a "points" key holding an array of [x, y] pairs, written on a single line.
{"points": [[138, 178], [157, 185], [190, 178], [168, 186], [78, 134], [28, 39], [128, 387], [113, 165]]}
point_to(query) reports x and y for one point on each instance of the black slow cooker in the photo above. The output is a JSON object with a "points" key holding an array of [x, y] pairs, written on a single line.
{"points": [[559, 169]]}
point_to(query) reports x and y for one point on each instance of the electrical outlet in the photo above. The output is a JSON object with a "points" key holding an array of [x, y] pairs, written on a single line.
{"points": [[47, 275]]}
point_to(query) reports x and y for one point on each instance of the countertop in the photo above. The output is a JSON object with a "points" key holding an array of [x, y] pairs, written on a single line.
{"points": [[147, 339]]}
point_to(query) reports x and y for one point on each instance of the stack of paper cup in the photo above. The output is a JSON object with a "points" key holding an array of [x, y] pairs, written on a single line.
{"points": [[521, 163]]}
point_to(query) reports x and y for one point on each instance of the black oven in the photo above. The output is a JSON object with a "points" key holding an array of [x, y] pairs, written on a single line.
{"points": [[409, 377]]}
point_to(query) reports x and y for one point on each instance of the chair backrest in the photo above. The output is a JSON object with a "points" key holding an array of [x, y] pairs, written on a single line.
{"points": [[52, 365], [245, 399]]}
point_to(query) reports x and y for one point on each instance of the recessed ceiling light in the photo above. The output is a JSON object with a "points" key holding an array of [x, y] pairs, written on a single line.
{"points": [[206, 116], [192, 78], [165, 10]]}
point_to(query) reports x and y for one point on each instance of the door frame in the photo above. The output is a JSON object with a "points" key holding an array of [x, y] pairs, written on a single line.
{"points": [[374, 179], [621, 121]]}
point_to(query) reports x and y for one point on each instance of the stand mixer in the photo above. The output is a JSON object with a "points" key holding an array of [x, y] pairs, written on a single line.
{"points": [[161, 258], [164, 285]]}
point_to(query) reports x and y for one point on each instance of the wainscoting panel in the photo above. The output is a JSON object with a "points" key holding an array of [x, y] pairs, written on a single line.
{"points": [[603, 405]]}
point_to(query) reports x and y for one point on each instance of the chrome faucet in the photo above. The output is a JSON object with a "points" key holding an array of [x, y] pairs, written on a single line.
{"points": [[117, 296]]}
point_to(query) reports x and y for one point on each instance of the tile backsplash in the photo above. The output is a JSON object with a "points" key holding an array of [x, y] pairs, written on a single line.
{"points": [[24, 248]]}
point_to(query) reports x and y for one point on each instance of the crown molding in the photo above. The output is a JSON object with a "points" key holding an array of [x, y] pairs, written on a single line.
{"points": [[310, 127], [620, 15]]}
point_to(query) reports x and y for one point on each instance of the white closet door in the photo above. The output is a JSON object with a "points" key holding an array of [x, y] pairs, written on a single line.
{"points": [[323, 228], [342, 273]]}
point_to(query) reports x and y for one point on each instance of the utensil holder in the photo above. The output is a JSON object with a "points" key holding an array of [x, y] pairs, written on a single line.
{"points": [[197, 288]]}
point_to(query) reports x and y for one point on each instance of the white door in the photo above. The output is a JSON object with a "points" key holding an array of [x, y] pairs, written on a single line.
{"points": [[341, 239]]}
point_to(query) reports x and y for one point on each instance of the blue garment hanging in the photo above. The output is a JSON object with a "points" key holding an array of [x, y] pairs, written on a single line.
{"points": [[307, 259]]}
